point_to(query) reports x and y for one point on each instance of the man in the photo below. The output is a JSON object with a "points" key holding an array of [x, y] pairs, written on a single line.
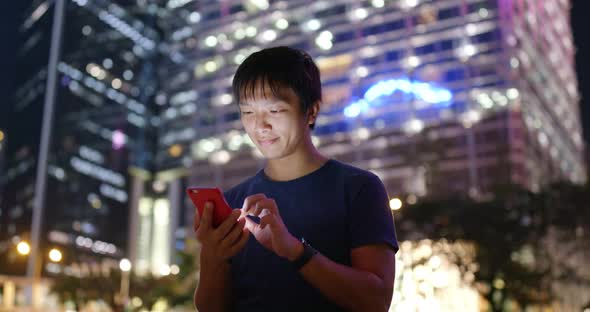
{"points": [[323, 234]]}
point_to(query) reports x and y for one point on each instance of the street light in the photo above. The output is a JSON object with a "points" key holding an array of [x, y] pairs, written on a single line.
{"points": [[395, 204], [174, 269], [125, 266], [165, 270], [23, 248], [55, 255]]}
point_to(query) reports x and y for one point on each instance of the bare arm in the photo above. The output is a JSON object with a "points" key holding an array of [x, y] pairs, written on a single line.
{"points": [[366, 286], [213, 291]]}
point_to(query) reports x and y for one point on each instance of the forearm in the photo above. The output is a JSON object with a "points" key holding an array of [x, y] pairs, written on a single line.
{"points": [[350, 288], [213, 291]]}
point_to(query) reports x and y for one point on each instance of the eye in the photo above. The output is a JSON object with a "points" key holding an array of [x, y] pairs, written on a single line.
{"points": [[275, 111], [246, 112]]}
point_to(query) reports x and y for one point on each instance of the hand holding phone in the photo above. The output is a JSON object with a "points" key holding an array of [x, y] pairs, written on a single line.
{"points": [[221, 235], [199, 196]]}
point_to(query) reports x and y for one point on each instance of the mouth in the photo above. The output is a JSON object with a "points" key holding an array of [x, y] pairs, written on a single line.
{"points": [[267, 142]]}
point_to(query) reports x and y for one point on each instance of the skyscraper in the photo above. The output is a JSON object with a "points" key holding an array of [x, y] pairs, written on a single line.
{"points": [[436, 97], [22, 133], [100, 135]]}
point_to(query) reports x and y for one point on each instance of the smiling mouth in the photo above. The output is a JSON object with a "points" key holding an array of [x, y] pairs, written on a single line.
{"points": [[267, 142]]}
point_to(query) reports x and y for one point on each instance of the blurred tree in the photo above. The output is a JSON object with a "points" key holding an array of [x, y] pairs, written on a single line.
{"points": [[81, 290], [527, 246], [568, 240], [176, 290], [511, 230]]}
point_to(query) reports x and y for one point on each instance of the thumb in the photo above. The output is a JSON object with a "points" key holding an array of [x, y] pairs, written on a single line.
{"points": [[271, 221], [250, 224], [207, 216], [196, 221]]}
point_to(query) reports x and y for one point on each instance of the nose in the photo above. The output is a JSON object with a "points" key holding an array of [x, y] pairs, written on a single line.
{"points": [[261, 123]]}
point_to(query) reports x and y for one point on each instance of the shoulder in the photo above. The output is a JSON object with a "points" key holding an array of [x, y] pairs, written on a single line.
{"points": [[356, 183], [356, 178]]}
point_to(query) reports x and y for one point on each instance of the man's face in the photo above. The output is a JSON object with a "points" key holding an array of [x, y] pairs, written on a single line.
{"points": [[276, 125]]}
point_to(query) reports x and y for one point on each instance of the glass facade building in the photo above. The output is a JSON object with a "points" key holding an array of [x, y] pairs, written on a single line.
{"points": [[436, 97], [101, 132], [21, 151]]}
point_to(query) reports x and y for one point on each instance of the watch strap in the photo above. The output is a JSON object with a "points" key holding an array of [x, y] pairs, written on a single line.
{"points": [[308, 253]]}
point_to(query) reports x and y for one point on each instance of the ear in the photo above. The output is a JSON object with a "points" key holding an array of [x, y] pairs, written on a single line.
{"points": [[312, 113]]}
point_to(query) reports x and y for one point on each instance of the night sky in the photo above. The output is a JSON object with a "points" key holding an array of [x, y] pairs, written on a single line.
{"points": [[11, 10], [580, 26]]}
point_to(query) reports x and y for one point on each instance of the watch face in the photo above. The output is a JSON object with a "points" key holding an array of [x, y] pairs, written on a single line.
{"points": [[308, 250]]}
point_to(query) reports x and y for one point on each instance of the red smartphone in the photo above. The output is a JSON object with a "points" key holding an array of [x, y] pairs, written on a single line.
{"points": [[199, 196]]}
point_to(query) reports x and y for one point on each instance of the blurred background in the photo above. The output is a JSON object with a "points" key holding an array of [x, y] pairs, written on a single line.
{"points": [[470, 111]]}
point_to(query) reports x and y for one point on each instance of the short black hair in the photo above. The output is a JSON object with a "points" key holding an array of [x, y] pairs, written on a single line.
{"points": [[276, 68]]}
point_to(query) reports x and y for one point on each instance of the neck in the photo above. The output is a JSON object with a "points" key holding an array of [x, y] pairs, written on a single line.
{"points": [[296, 165]]}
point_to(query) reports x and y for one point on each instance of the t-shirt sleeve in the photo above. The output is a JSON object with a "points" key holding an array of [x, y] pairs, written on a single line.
{"points": [[371, 220]]}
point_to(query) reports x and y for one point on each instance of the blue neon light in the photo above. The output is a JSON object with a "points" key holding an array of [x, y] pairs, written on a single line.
{"points": [[422, 90]]}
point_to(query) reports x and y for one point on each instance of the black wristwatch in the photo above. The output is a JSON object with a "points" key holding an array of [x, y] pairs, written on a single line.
{"points": [[308, 253]]}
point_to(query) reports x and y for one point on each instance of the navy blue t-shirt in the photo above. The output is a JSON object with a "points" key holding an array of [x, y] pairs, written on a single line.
{"points": [[335, 208]]}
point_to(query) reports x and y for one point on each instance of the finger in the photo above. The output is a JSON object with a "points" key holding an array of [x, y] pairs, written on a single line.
{"points": [[196, 221], [250, 201], [264, 212], [267, 203], [250, 225], [271, 205], [233, 236], [268, 219], [260, 205], [205, 223], [257, 208], [226, 226], [235, 248]]}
